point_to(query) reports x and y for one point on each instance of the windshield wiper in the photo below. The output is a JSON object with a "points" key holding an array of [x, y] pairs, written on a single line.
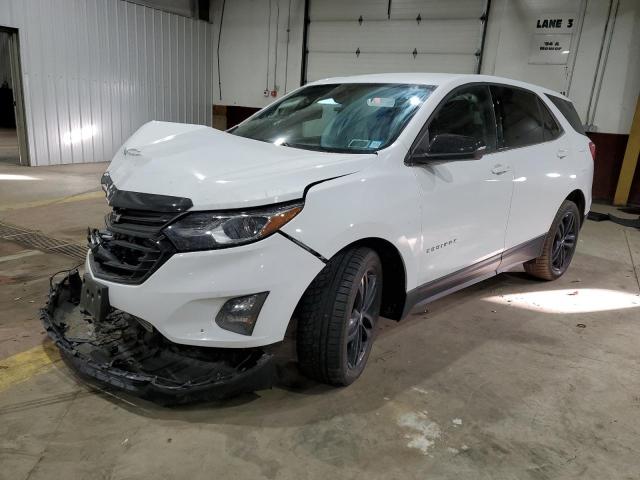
{"points": [[318, 148]]}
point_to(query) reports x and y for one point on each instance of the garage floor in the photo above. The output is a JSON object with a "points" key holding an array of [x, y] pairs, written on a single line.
{"points": [[512, 378], [9, 152]]}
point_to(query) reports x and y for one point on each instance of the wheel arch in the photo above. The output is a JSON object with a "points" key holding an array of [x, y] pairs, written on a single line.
{"points": [[577, 197], [394, 273]]}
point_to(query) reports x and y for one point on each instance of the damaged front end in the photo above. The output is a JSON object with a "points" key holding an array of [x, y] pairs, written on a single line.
{"points": [[123, 351]]}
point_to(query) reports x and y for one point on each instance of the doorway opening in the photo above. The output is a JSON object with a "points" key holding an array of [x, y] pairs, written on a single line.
{"points": [[13, 132]]}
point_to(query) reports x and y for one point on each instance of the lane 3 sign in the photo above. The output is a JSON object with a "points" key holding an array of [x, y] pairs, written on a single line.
{"points": [[551, 39], [555, 23]]}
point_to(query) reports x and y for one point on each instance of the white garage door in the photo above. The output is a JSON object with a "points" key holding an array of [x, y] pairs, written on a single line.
{"points": [[347, 37]]}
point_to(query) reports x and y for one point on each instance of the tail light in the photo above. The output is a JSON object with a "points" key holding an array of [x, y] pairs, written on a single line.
{"points": [[592, 149]]}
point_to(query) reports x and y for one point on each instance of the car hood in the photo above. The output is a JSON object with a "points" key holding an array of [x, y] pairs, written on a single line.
{"points": [[218, 170]]}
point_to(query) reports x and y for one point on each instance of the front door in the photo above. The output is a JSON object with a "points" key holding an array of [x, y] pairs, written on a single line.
{"points": [[465, 203]]}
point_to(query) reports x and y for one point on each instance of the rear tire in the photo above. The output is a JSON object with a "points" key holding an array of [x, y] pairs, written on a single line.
{"points": [[559, 246], [337, 317]]}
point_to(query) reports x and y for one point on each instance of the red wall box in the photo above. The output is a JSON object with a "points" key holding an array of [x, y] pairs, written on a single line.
{"points": [[610, 149]]}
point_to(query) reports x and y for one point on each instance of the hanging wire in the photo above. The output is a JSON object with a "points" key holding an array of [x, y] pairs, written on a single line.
{"points": [[218, 51], [67, 271], [266, 84], [275, 63], [286, 61]]}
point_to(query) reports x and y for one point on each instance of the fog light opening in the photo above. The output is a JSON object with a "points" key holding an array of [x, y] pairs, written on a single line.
{"points": [[239, 314]]}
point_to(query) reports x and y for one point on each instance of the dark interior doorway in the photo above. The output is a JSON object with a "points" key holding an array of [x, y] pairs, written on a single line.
{"points": [[9, 152], [12, 128]]}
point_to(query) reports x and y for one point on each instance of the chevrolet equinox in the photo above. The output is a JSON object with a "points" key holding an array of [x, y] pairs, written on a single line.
{"points": [[347, 199]]}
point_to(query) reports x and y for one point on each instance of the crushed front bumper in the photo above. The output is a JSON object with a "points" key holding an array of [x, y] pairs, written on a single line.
{"points": [[128, 353]]}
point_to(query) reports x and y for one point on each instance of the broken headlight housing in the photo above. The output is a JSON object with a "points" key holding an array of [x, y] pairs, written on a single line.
{"points": [[211, 230]]}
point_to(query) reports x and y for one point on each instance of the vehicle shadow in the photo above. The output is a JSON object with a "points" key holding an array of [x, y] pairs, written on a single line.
{"points": [[406, 354], [440, 336]]}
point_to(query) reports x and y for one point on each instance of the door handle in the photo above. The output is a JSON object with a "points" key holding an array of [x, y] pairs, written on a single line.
{"points": [[562, 153], [499, 169]]}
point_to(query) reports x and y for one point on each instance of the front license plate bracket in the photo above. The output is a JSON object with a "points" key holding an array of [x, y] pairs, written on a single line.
{"points": [[94, 299]]}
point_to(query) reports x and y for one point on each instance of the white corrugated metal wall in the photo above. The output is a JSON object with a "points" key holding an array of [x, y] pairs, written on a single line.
{"points": [[95, 70]]}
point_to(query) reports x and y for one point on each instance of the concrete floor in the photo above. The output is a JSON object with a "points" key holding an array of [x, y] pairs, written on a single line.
{"points": [[510, 379], [9, 152]]}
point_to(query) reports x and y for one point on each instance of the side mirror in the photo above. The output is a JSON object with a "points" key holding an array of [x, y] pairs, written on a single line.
{"points": [[448, 146]]}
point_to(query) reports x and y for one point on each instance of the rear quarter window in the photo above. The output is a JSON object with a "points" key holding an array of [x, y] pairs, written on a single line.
{"points": [[568, 111], [552, 129]]}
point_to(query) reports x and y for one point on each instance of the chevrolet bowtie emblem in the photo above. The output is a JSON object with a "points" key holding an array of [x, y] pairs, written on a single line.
{"points": [[132, 151]]}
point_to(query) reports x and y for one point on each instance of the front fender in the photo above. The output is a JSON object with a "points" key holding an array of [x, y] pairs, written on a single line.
{"points": [[374, 203]]}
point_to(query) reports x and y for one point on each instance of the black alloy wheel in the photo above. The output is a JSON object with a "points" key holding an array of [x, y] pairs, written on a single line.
{"points": [[362, 320], [559, 245], [337, 317], [564, 242]]}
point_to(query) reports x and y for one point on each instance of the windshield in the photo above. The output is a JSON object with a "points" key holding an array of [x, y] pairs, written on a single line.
{"points": [[349, 117]]}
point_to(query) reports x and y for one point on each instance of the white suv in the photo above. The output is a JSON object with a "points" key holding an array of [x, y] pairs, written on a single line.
{"points": [[347, 199]]}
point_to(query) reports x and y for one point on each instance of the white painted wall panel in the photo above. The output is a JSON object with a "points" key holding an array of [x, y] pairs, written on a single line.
{"points": [[437, 9], [446, 37], [95, 70], [396, 36], [341, 10], [249, 59], [584, 70], [511, 25], [614, 108], [340, 64], [245, 40], [516, 21]]}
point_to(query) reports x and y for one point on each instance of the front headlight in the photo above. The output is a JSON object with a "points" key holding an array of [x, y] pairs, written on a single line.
{"points": [[209, 230]]}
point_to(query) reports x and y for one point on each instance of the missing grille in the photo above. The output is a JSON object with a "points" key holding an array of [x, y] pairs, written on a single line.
{"points": [[40, 241]]}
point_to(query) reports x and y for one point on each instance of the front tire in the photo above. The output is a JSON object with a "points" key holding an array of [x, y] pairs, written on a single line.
{"points": [[337, 317], [559, 246]]}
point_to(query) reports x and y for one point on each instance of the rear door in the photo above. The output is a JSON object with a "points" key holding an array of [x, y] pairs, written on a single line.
{"points": [[465, 203], [533, 144]]}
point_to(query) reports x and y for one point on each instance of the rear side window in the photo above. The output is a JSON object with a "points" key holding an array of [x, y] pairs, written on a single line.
{"points": [[567, 109], [551, 129], [518, 116]]}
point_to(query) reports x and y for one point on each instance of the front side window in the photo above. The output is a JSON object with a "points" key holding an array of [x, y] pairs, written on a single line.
{"points": [[518, 116], [349, 118], [467, 112]]}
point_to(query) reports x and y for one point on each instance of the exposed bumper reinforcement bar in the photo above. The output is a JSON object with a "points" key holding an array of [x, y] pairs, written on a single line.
{"points": [[127, 353]]}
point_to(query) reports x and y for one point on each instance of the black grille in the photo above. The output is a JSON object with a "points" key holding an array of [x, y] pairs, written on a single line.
{"points": [[132, 247]]}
